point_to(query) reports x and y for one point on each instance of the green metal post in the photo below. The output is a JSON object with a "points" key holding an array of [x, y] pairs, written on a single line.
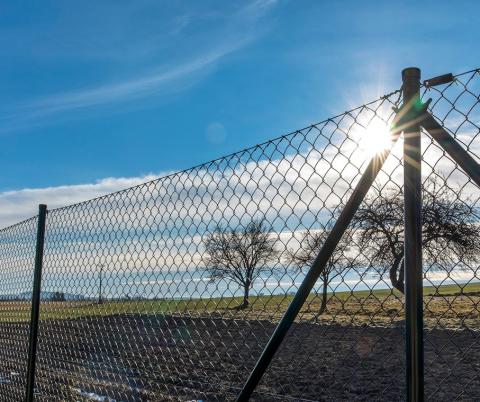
{"points": [[36, 293], [413, 240]]}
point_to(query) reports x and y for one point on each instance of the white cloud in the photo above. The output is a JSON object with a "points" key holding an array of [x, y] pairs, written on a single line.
{"points": [[17, 205], [288, 187]]}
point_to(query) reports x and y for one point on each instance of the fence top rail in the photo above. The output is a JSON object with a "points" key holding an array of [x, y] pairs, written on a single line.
{"points": [[15, 225], [241, 151]]}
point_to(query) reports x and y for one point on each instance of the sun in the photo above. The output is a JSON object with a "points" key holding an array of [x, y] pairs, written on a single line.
{"points": [[375, 138]]}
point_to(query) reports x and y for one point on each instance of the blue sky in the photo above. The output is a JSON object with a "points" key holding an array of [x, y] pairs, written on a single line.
{"points": [[120, 91]]}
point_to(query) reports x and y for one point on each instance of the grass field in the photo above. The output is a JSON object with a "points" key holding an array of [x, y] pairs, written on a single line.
{"points": [[448, 304]]}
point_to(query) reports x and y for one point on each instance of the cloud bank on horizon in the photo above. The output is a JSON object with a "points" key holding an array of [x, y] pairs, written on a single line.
{"points": [[282, 181]]}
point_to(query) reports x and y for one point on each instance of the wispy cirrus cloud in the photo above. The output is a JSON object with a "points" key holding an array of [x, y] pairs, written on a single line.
{"points": [[198, 55], [168, 79]]}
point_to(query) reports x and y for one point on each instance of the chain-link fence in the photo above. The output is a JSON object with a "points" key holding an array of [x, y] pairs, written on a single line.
{"points": [[170, 290], [17, 255], [452, 267]]}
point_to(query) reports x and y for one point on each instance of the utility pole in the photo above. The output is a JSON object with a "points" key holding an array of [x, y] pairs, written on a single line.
{"points": [[100, 272]]}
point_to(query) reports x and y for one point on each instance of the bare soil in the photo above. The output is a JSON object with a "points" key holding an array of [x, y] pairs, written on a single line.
{"points": [[177, 358]]}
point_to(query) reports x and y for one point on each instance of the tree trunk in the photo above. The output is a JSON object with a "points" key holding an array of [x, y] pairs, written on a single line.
{"points": [[396, 274], [323, 304], [246, 292]]}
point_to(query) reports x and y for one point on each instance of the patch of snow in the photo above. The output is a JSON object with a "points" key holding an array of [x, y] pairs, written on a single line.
{"points": [[93, 396]]}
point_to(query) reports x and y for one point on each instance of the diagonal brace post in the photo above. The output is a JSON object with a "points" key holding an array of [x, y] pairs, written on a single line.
{"points": [[452, 147], [342, 223]]}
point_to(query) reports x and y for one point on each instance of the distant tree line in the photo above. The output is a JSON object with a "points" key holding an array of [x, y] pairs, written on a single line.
{"points": [[249, 251]]}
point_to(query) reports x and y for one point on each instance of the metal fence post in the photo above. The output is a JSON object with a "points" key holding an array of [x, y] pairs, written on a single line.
{"points": [[36, 293], [413, 240]]}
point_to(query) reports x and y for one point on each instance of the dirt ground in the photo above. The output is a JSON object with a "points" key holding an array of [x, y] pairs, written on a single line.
{"points": [[178, 358]]}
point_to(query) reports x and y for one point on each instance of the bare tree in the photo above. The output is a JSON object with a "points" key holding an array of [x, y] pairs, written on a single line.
{"points": [[240, 254], [310, 245], [450, 229]]}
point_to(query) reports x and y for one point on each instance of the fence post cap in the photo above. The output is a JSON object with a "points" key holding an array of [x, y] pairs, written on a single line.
{"points": [[411, 73]]}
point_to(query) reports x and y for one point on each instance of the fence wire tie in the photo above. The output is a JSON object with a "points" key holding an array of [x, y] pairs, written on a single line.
{"points": [[439, 80]]}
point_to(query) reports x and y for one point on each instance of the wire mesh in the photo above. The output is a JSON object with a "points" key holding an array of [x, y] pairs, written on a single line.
{"points": [[171, 289], [150, 283], [452, 343], [17, 255]]}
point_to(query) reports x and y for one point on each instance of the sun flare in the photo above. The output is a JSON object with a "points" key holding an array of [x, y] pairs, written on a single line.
{"points": [[375, 138]]}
